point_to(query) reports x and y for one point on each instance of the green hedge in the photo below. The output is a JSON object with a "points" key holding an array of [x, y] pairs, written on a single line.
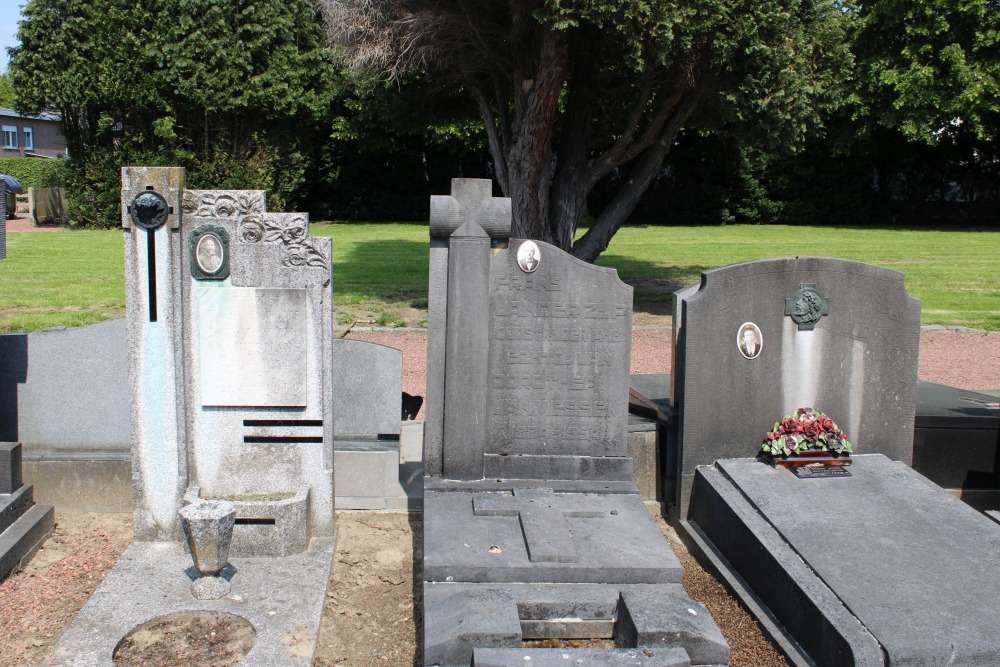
{"points": [[35, 172]]}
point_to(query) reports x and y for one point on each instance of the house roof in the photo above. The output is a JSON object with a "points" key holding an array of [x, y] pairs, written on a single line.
{"points": [[45, 115]]}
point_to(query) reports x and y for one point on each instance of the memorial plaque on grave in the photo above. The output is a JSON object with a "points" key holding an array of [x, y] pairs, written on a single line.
{"points": [[252, 345], [558, 357]]}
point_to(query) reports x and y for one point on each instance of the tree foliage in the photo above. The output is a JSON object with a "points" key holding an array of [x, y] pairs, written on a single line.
{"points": [[573, 94], [230, 90]]}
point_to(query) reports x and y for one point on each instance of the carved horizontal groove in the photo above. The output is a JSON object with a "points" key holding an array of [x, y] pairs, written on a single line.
{"points": [[291, 439], [282, 422], [255, 522]]}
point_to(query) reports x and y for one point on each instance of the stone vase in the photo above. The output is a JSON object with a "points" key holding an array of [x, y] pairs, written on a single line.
{"points": [[208, 526]]}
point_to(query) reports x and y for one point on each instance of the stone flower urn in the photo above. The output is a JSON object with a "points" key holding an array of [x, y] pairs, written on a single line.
{"points": [[208, 526]]}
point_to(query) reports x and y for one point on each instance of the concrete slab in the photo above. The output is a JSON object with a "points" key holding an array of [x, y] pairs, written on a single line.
{"points": [[462, 619], [585, 657], [911, 564], [598, 538], [281, 597]]}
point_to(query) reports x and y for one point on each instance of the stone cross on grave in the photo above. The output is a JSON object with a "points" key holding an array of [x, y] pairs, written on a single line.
{"points": [[471, 199], [543, 515]]}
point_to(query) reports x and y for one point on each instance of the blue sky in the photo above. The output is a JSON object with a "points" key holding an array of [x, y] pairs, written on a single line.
{"points": [[10, 14]]}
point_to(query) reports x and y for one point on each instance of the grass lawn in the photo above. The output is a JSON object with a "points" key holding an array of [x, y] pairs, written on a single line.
{"points": [[380, 270]]}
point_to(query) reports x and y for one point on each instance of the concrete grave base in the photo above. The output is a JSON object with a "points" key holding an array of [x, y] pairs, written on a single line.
{"points": [[282, 597], [882, 567], [492, 620], [374, 475], [538, 535]]}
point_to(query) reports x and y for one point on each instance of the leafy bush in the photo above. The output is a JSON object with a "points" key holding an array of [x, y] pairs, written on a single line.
{"points": [[35, 172]]}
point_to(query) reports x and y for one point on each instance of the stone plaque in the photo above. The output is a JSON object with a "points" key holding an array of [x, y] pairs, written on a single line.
{"points": [[558, 357], [819, 472], [252, 346]]}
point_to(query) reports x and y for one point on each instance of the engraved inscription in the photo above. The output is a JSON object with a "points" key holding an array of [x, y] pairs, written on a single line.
{"points": [[252, 347], [558, 358]]}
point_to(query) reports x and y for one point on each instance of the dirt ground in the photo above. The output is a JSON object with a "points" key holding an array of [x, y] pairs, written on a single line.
{"points": [[373, 598]]}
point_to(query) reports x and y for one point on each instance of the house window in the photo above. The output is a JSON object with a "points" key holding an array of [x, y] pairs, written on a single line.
{"points": [[29, 139], [9, 136]]}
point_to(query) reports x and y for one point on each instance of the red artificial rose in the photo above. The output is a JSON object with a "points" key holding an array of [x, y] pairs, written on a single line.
{"points": [[773, 435], [790, 425], [811, 431], [825, 423]]}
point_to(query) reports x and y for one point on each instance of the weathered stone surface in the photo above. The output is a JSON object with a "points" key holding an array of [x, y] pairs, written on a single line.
{"points": [[463, 619], [469, 199], [210, 588], [914, 566], [859, 364], [279, 596], [208, 526], [558, 358], [223, 360], [367, 389], [586, 657], [10, 467], [251, 346], [537, 536]]}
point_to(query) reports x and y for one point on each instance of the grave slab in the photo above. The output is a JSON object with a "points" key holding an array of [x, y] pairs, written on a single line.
{"points": [[279, 596], [465, 619], [535, 535], [885, 551]]}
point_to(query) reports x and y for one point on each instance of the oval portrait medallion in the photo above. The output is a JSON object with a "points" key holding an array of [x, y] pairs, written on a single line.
{"points": [[749, 340], [529, 256], [209, 254]]}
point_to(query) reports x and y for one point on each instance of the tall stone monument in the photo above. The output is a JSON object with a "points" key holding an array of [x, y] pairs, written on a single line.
{"points": [[228, 327], [533, 528], [229, 333]]}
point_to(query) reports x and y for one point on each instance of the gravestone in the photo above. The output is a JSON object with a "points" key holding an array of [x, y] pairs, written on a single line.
{"points": [[876, 565], [369, 472], [24, 526], [229, 332], [532, 525]]}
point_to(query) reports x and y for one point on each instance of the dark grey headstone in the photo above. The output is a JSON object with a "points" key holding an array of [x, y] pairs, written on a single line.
{"points": [[470, 199], [367, 389], [917, 568], [956, 441], [10, 467], [558, 361], [858, 365]]}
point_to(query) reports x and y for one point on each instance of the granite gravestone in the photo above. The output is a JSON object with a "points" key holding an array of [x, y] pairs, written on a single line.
{"points": [[369, 472], [228, 328], [230, 347], [532, 526], [24, 526], [879, 567]]}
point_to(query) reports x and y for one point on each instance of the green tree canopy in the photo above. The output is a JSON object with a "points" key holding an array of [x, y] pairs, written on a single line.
{"points": [[577, 94], [229, 90]]}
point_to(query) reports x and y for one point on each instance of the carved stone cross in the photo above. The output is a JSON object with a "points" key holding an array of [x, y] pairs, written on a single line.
{"points": [[543, 514], [470, 199]]}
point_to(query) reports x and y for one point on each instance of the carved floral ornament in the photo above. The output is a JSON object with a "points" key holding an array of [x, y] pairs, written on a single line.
{"points": [[255, 225]]}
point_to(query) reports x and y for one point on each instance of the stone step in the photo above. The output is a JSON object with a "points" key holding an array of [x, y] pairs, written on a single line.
{"points": [[13, 505], [10, 467], [20, 542], [581, 657]]}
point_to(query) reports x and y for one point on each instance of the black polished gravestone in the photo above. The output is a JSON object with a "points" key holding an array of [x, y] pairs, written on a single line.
{"points": [[533, 528], [24, 526], [878, 567]]}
